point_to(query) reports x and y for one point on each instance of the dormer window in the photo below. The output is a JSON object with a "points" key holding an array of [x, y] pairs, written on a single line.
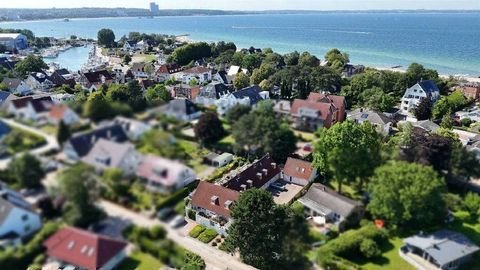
{"points": [[71, 244], [228, 204], [214, 200]]}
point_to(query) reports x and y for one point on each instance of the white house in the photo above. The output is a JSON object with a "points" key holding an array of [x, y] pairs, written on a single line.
{"points": [[31, 109], [198, 74], [299, 172], [164, 175], [17, 86], [107, 154], [39, 81], [249, 96], [413, 95], [17, 218], [129, 46]]}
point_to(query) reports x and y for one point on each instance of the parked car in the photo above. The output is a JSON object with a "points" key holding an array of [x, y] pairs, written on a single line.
{"points": [[177, 221], [278, 186], [164, 213]]}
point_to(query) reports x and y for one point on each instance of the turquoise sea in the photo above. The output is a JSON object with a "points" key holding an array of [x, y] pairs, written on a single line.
{"points": [[448, 42]]}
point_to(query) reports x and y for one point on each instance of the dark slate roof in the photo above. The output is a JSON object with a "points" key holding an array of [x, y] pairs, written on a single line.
{"points": [[4, 95], [62, 77], [215, 90], [224, 76], [429, 86], [40, 76], [259, 173], [96, 76], [42, 104], [132, 43], [83, 143], [4, 129], [181, 106], [6, 63], [252, 92], [323, 199], [444, 246]]}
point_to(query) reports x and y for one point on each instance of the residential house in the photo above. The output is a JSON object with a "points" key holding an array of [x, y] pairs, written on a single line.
{"points": [[185, 91], [298, 172], [182, 109], [413, 95], [350, 70], [39, 81], [444, 249], [13, 41], [62, 98], [31, 108], [198, 74], [212, 204], [17, 86], [325, 205], [5, 99], [80, 145], [142, 70], [129, 46], [470, 90], [260, 174], [167, 71], [221, 76], [164, 175], [133, 128], [426, 125], [17, 218], [249, 96], [146, 83], [4, 130], [471, 113], [212, 92], [122, 73], [92, 81], [61, 112], [318, 111], [62, 77], [382, 123], [283, 107], [7, 63], [107, 154], [74, 248]]}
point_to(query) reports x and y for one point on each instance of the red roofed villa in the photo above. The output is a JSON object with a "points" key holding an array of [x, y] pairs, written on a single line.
{"points": [[298, 172], [84, 249]]}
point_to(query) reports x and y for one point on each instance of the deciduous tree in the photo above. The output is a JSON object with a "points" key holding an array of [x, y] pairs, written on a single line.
{"points": [[106, 37], [209, 128], [27, 171]]}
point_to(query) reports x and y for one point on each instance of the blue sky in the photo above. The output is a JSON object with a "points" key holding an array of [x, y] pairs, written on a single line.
{"points": [[254, 4]]}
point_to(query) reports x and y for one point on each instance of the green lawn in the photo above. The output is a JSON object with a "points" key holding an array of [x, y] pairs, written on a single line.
{"points": [[140, 261], [471, 229], [304, 136], [390, 259], [195, 153], [49, 129]]}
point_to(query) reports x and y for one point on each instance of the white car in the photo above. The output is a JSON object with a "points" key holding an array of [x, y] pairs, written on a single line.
{"points": [[177, 221]]}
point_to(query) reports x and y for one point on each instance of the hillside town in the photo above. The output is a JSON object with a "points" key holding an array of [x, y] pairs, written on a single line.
{"points": [[164, 153]]}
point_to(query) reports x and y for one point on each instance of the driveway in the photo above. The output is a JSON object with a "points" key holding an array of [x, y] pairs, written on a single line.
{"points": [[51, 141], [214, 258]]}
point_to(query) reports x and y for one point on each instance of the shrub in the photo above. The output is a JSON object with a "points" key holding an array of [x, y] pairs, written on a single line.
{"points": [[454, 202], [192, 214], [218, 240], [214, 244], [157, 232], [196, 231], [472, 204], [207, 236], [369, 248]]}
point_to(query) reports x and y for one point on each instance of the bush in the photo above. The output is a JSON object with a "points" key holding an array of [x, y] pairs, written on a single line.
{"points": [[196, 231], [454, 202], [192, 214], [157, 232], [214, 244], [207, 236], [369, 248], [472, 204]]}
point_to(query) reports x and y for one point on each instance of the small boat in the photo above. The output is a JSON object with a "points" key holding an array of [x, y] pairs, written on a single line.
{"points": [[66, 20]]}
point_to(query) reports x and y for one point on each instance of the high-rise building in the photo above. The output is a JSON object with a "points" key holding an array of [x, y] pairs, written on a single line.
{"points": [[154, 8]]}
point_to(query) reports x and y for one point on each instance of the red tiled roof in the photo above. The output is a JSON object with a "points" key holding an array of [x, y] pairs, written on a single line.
{"points": [[82, 248], [338, 101], [203, 198], [168, 69], [325, 109], [298, 168], [57, 111]]}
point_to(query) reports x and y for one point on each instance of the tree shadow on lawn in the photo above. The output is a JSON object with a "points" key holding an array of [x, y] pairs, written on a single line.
{"points": [[385, 247], [128, 264]]}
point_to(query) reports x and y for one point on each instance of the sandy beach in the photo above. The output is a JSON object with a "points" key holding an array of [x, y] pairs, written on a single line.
{"points": [[444, 76]]}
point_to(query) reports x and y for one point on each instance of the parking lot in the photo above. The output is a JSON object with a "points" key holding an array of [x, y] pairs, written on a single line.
{"points": [[287, 195]]}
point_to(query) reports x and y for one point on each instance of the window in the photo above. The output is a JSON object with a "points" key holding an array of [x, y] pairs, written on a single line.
{"points": [[27, 228], [25, 217]]}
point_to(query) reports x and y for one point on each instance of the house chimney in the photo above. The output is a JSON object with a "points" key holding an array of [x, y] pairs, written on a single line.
{"points": [[259, 175], [243, 187], [324, 188], [274, 165], [265, 171], [250, 183], [93, 139]]}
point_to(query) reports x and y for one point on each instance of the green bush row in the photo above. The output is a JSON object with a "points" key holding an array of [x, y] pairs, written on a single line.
{"points": [[207, 236], [196, 231]]}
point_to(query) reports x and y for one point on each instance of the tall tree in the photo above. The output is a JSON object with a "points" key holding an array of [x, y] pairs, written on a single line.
{"points": [[407, 194], [31, 63], [267, 236], [236, 112], [106, 37], [423, 111], [241, 81], [348, 151], [27, 171], [209, 128], [97, 107], [157, 95], [63, 132], [79, 185], [336, 59]]}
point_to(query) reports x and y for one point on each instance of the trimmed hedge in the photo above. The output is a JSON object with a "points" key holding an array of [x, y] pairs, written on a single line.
{"points": [[196, 231], [177, 196], [207, 236]]}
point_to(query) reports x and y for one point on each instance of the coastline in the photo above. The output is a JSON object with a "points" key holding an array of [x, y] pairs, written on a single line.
{"points": [[460, 77]]}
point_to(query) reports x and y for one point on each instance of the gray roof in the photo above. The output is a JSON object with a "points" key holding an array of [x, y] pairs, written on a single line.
{"points": [[12, 83], [325, 200], [107, 153], [444, 246], [361, 115], [426, 125], [181, 107]]}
